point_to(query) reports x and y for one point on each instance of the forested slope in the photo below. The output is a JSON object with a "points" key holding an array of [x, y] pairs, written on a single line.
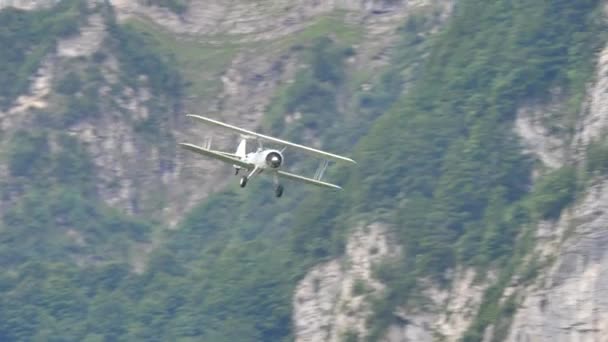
{"points": [[92, 180], [445, 168]]}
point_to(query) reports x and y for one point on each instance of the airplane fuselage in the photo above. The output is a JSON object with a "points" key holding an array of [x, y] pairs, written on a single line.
{"points": [[267, 159], [264, 159]]}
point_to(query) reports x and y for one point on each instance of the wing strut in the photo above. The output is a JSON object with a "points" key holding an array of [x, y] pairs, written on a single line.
{"points": [[321, 169], [208, 142]]}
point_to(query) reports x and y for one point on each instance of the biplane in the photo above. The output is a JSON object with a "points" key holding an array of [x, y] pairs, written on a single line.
{"points": [[264, 160]]}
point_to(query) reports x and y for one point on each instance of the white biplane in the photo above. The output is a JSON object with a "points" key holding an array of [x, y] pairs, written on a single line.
{"points": [[263, 159]]}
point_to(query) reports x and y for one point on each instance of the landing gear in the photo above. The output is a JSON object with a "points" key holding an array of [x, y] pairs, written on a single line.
{"points": [[245, 178], [278, 191], [236, 170]]}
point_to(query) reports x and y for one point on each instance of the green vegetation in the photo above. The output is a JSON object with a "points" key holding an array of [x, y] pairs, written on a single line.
{"points": [[144, 64], [69, 84], [140, 55], [200, 63], [439, 163], [207, 282], [350, 336], [554, 192], [333, 25], [494, 308], [314, 92], [83, 103], [597, 157], [78, 93], [177, 6], [452, 170], [54, 221], [30, 36], [56, 193]]}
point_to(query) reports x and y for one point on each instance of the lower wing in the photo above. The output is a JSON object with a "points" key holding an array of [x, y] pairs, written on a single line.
{"points": [[307, 180], [223, 156]]}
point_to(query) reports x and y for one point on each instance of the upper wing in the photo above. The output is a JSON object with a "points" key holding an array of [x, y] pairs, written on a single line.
{"points": [[307, 180], [303, 148], [223, 156]]}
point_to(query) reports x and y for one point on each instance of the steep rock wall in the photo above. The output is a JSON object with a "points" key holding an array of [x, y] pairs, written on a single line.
{"points": [[594, 121], [27, 4], [155, 179], [332, 300], [539, 141], [259, 20], [446, 316], [128, 168], [568, 302]]}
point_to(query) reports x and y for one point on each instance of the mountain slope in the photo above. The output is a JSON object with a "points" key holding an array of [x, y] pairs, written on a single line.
{"points": [[103, 110], [459, 203], [477, 171]]}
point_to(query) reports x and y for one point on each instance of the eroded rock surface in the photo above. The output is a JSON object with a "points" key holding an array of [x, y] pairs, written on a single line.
{"points": [[569, 302], [332, 300]]}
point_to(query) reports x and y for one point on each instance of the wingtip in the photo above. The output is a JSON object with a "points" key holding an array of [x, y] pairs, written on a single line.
{"points": [[187, 145], [344, 159], [196, 116]]}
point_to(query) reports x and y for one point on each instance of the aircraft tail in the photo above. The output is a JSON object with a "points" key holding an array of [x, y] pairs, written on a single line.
{"points": [[241, 152]]}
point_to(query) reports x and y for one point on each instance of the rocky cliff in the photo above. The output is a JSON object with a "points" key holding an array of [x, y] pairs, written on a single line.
{"points": [[255, 59], [566, 299], [27, 4], [239, 87], [250, 52]]}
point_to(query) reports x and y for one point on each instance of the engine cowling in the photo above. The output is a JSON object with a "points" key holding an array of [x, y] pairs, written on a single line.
{"points": [[274, 159]]}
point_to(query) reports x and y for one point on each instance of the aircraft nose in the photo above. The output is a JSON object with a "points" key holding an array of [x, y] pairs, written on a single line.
{"points": [[274, 160]]}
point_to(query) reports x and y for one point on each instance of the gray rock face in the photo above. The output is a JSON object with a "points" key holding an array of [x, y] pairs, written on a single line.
{"points": [[27, 4], [87, 42], [594, 123], [248, 85], [447, 315], [133, 173], [570, 302], [333, 299], [531, 126], [327, 307], [257, 20], [151, 178]]}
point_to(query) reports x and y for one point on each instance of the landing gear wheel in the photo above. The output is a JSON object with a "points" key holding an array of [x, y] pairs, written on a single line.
{"points": [[279, 191], [243, 181]]}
